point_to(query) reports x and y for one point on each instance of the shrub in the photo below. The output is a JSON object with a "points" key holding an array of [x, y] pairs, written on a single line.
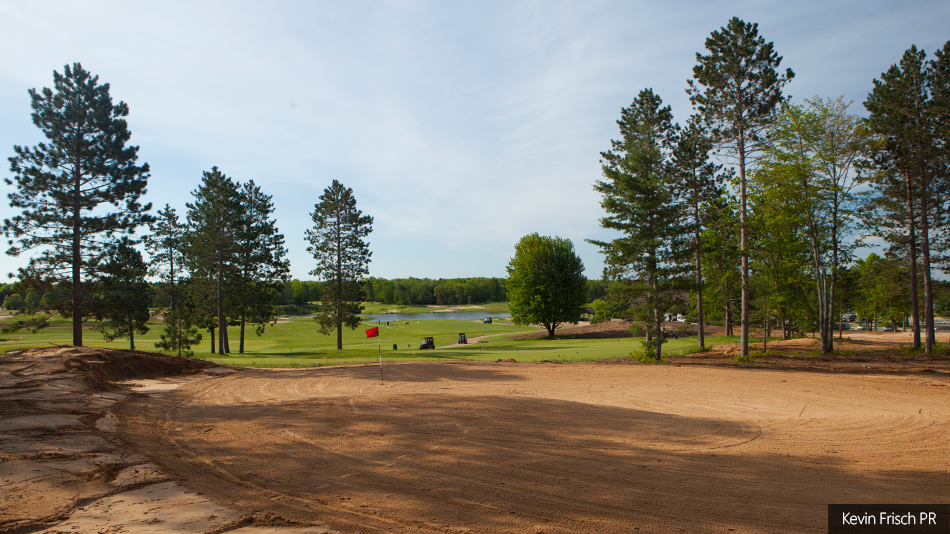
{"points": [[746, 359], [637, 330]]}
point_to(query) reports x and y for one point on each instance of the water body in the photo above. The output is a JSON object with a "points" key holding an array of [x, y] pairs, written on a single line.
{"points": [[444, 316]]}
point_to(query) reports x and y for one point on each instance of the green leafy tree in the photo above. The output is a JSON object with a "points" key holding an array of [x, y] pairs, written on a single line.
{"points": [[637, 197], [722, 262], [738, 90], [122, 307], [14, 302], [337, 244], [79, 190], [809, 170], [546, 283]]}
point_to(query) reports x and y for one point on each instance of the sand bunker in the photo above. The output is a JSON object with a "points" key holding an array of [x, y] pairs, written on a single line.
{"points": [[464, 447]]}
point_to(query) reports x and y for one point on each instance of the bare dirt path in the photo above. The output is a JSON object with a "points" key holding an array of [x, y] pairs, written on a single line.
{"points": [[527, 448]]}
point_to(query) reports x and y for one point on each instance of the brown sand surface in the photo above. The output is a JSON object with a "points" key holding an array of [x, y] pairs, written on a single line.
{"points": [[472, 447], [146, 443]]}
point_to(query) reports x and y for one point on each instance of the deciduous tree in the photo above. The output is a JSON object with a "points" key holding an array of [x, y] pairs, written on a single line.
{"points": [[546, 283]]}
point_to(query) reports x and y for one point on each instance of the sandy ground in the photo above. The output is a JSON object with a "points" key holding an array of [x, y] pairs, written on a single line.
{"points": [[702, 445]]}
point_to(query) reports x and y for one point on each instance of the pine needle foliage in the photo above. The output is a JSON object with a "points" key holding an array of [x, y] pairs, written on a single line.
{"points": [[337, 243], [79, 190]]}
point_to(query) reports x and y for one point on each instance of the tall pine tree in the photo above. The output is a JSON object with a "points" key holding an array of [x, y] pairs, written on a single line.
{"points": [[902, 120], [337, 243], [698, 180], [211, 250], [737, 90], [262, 267], [80, 190], [637, 197]]}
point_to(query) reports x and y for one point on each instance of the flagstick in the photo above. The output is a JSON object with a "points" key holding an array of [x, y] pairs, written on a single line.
{"points": [[379, 350]]}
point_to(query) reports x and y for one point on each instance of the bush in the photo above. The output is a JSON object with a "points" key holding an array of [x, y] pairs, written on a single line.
{"points": [[745, 359], [637, 330], [648, 353]]}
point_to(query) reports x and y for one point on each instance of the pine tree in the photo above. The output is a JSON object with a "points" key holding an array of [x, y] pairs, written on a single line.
{"points": [[901, 118], [737, 91], [337, 243], [261, 264], [79, 190], [122, 307], [211, 250], [639, 203], [698, 180], [165, 246]]}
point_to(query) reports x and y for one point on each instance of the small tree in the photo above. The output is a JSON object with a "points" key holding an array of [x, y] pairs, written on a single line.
{"points": [[122, 309], [337, 243], [78, 190], [698, 181], [546, 283]]}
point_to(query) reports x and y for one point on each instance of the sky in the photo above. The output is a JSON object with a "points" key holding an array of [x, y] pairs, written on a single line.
{"points": [[460, 126]]}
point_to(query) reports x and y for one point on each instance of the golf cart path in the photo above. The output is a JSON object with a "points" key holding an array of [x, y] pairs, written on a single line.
{"points": [[475, 340]]}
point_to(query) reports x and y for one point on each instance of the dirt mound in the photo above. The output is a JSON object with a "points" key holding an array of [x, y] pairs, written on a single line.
{"points": [[612, 329], [101, 368]]}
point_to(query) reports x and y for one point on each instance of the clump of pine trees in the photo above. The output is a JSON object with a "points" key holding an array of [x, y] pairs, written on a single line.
{"points": [[756, 207]]}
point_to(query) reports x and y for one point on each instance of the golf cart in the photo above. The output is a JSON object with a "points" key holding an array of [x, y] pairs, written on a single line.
{"points": [[671, 333], [427, 343], [487, 320], [462, 339]]}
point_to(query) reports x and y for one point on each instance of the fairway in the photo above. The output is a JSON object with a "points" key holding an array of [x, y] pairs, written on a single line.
{"points": [[297, 342], [520, 448]]}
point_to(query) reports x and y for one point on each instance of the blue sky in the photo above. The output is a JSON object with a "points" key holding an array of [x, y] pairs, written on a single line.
{"points": [[460, 126]]}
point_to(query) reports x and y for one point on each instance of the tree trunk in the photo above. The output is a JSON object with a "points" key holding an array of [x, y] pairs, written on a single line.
{"points": [[243, 319], [914, 304], [744, 331], [701, 340], [131, 334], [77, 259], [657, 315], [211, 329], [925, 257]]}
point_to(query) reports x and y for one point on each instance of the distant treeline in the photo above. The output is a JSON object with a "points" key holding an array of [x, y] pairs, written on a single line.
{"points": [[444, 291]]}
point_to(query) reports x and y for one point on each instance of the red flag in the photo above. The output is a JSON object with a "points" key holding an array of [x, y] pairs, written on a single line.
{"points": [[372, 332]]}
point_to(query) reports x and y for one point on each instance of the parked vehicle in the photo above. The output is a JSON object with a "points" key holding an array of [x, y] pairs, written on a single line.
{"points": [[427, 343], [888, 328], [843, 326], [487, 320], [462, 339]]}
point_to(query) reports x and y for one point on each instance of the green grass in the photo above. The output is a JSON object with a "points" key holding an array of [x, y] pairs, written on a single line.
{"points": [[297, 342]]}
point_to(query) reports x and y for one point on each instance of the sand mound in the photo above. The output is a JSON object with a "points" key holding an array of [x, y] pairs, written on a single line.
{"points": [[101, 368]]}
